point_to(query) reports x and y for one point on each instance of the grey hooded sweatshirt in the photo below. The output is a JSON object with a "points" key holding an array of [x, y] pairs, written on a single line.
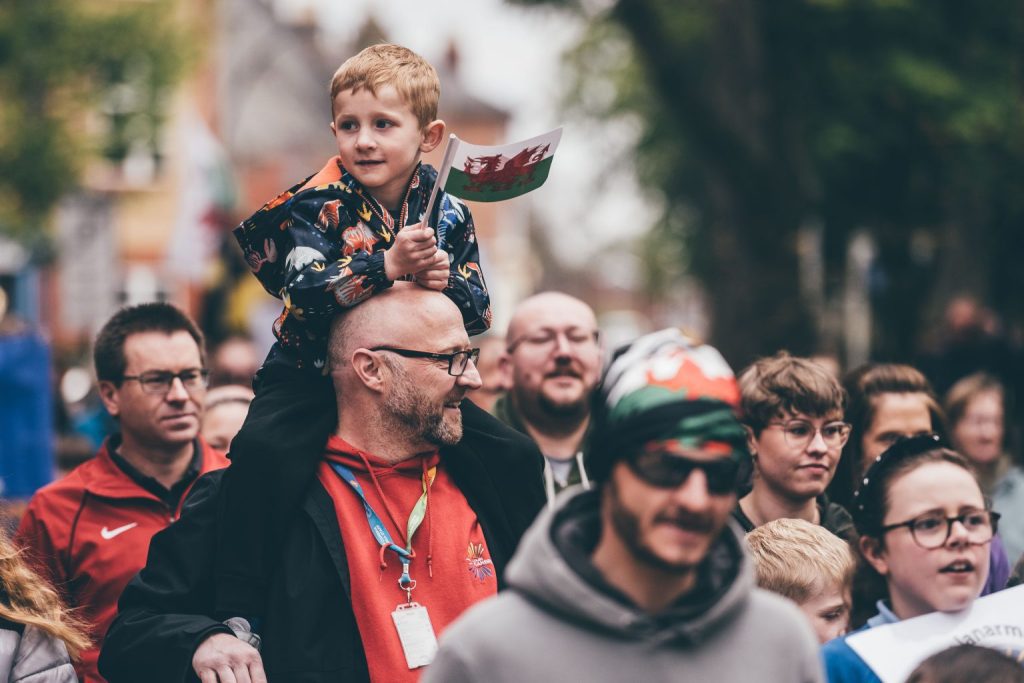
{"points": [[561, 621]]}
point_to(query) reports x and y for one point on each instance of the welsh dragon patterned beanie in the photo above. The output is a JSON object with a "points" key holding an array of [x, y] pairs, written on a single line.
{"points": [[664, 386]]}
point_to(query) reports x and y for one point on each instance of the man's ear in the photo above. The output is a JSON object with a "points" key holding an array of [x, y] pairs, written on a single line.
{"points": [[874, 553], [433, 133], [751, 441], [369, 368], [110, 397], [505, 371]]}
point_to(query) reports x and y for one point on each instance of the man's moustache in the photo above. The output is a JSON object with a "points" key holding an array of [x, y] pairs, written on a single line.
{"points": [[565, 372], [687, 521]]}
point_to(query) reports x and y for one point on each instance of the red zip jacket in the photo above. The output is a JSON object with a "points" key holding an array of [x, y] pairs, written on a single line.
{"points": [[89, 534]]}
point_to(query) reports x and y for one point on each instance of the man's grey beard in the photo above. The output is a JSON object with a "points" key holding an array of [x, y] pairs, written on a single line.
{"points": [[407, 407]]}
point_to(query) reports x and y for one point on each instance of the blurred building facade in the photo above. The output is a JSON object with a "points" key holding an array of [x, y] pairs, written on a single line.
{"points": [[250, 120]]}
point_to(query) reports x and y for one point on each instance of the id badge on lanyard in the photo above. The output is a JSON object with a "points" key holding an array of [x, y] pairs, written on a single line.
{"points": [[412, 622], [416, 634]]}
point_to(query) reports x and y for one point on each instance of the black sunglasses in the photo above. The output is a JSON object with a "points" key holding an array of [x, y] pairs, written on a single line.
{"points": [[668, 470]]}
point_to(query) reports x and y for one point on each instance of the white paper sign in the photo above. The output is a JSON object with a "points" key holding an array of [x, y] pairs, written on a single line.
{"points": [[894, 650]]}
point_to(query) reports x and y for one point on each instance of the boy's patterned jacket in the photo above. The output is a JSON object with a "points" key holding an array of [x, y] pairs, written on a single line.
{"points": [[319, 247]]}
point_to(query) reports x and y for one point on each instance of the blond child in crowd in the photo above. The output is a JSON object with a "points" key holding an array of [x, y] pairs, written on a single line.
{"points": [[810, 566], [324, 245]]}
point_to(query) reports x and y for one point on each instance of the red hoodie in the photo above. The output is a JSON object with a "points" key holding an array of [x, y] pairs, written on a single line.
{"points": [[89, 533], [452, 566]]}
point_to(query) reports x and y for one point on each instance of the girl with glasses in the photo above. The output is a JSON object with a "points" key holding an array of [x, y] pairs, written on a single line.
{"points": [[887, 402], [925, 536]]}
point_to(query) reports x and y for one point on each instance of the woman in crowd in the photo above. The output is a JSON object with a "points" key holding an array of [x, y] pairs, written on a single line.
{"points": [[885, 402], [976, 406], [37, 632], [925, 534]]}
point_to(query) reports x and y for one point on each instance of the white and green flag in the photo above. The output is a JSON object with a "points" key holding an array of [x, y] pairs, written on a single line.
{"points": [[482, 173]]}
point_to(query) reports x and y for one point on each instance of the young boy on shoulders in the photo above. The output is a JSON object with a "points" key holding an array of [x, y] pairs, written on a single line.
{"points": [[324, 245], [810, 566], [793, 411]]}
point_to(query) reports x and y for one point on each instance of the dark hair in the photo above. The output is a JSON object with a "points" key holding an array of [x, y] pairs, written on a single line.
{"points": [[783, 383], [864, 385], [108, 350], [968, 663], [871, 504]]}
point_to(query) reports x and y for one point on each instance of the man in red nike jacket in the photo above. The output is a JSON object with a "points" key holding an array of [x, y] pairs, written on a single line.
{"points": [[89, 532]]}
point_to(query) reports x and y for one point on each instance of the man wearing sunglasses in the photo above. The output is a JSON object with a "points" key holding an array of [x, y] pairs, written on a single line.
{"points": [[415, 509], [89, 532], [793, 412], [642, 577]]}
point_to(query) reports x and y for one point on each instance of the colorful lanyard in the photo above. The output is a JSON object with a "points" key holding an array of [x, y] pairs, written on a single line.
{"points": [[381, 533]]}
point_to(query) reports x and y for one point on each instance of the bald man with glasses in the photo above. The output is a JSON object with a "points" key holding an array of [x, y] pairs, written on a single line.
{"points": [[552, 365], [89, 532], [416, 507]]}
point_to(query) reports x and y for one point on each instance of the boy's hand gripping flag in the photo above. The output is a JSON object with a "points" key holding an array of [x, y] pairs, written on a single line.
{"points": [[481, 173]]}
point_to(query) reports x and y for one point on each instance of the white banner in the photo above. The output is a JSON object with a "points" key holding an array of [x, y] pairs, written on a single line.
{"points": [[894, 650]]}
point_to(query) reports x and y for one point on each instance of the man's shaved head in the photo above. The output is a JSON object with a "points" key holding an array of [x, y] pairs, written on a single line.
{"points": [[394, 317], [545, 305]]}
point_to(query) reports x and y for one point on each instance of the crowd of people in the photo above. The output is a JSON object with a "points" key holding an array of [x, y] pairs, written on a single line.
{"points": [[401, 506]]}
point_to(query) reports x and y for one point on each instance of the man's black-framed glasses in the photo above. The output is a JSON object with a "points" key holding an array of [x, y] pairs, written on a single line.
{"points": [[160, 381], [932, 529], [457, 361]]}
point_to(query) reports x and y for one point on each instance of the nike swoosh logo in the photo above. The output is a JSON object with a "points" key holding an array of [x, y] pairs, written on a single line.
{"points": [[111, 533]]}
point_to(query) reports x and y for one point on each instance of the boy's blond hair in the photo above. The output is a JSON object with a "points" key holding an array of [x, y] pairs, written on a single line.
{"points": [[798, 560], [379, 65]]}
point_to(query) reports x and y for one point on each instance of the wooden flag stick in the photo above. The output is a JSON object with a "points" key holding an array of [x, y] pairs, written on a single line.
{"points": [[442, 178]]}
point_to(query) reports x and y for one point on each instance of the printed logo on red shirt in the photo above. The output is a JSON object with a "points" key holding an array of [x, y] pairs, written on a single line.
{"points": [[479, 566], [112, 533]]}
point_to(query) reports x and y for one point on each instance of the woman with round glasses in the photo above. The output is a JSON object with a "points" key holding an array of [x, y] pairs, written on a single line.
{"points": [[925, 533], [793, 411]]}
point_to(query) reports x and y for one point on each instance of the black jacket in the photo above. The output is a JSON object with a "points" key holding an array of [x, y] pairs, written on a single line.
{"points": [[309, 631]]}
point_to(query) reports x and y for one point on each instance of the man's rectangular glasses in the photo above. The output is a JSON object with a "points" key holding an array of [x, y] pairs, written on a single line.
{"points": [[457, 361], [160, 381]]}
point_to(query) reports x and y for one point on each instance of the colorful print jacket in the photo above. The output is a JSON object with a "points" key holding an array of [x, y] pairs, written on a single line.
{"points": [[319, 247]]}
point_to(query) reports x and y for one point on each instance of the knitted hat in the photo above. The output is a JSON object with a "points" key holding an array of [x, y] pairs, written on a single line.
{"points": [[664, 386]]}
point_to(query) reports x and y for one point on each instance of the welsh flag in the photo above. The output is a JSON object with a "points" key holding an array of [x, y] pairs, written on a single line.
{"points": [[481, 173]]}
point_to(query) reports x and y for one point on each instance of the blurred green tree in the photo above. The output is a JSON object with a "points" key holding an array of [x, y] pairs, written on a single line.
{"points": [[901, 117], [77, 79]]}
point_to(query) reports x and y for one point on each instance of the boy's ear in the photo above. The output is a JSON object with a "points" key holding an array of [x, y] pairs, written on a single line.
{"points": [[751, 441], [433, 133], [333, 130]]}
